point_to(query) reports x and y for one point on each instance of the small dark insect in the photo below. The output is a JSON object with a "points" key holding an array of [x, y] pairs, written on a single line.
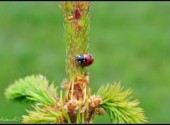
{"points": [[85, 59]]}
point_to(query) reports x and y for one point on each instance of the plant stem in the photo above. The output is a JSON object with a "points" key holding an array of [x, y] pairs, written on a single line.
{"points": [[76, 15]]}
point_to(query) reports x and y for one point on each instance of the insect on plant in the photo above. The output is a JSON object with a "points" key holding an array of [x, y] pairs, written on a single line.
{"points": [[74, 102]]}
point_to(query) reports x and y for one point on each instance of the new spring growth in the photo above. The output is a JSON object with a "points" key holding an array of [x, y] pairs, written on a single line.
{"points": [[77, 105], [76, 22]]}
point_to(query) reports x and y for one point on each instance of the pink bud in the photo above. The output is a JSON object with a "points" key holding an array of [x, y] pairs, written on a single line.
{"points": [[77, 14]]}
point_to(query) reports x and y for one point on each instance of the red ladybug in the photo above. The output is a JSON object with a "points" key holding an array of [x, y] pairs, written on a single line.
{"points": [[85, 59]]}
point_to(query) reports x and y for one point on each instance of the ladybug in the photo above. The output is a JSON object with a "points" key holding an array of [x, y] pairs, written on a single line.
{"points": [[85, 59]]}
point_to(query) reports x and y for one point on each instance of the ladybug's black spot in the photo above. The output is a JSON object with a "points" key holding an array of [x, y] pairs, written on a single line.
{"points": [[90, 62], [90, 56]]}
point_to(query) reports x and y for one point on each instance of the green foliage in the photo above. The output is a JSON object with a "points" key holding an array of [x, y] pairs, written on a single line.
{"points": [[118, 105], [50, 109], [37, 89], [133, 36], [64, 112], [33, 88], [42, 115]]}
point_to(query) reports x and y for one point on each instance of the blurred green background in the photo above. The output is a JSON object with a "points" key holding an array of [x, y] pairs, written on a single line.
{"points": [[130, 42]]}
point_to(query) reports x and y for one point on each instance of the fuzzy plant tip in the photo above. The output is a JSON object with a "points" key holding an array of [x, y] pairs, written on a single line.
{"points": [[35, 88], [118, 105]]}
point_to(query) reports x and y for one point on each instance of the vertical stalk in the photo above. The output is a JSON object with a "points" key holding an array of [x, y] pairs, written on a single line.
{"points": [[76, 23]]}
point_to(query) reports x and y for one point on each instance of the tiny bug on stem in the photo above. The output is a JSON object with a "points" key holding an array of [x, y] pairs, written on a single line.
{"points": [[85, 59]]}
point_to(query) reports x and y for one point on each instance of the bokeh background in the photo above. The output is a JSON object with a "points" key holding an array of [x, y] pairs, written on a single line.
{"points": [[130, 42]]}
